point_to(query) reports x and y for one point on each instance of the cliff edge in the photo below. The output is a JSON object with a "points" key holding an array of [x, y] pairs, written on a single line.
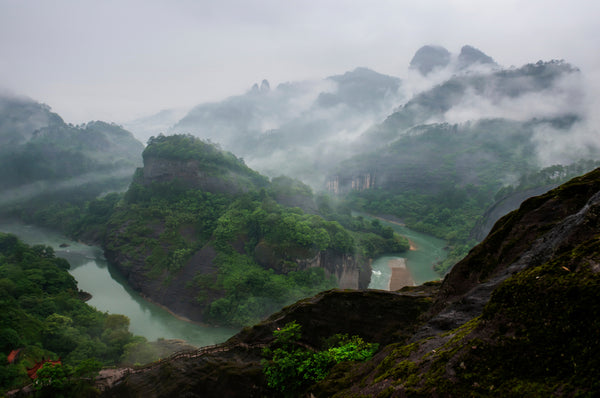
{"points": [[518, 316]]}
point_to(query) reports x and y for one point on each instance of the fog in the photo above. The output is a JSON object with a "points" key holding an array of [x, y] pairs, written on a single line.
{"points": [[119, 61], [335, 72], [29, 191]]}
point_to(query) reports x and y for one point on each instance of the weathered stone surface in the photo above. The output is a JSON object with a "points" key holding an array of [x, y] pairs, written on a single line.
{"points": [[233, 369], [528, 294]]}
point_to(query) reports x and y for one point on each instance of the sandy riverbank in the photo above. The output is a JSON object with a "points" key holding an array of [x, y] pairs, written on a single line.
{"points": [[400, 274]]}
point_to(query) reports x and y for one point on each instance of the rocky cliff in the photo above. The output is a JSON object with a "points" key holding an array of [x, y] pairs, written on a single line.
{"points": [[517, 317], [198, 226], [339, 185], [170, 290], [349, 271], [190, 174]]}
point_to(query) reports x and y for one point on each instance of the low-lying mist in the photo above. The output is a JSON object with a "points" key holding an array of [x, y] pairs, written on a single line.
{"points": [[306, 129]]}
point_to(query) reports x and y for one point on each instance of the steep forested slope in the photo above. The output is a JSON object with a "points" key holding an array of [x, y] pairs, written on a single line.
{"points": [[45, 161], [517, 317], [435, 150], [43, 316], [200, 232], [441, 178]]}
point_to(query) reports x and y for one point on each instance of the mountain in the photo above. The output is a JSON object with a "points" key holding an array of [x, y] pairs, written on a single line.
{"points": [[296, 127], [40, 153], [473, 96], [214, 241], [307, 129], [159, 123], [518, 316], [470, 56], [429, 58], [440, 161]]}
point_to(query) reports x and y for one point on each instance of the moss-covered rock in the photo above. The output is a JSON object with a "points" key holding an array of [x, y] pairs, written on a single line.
{"points": [[519, 316]]}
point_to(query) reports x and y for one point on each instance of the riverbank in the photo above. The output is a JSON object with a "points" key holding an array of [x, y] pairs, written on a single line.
{"points": [[111, 293]]}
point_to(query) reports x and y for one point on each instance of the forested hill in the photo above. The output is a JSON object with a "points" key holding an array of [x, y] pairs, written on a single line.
{"points": [[214, 241], [41, 154], [436, 150], [43, 316], [517, 317], [441, 178]]}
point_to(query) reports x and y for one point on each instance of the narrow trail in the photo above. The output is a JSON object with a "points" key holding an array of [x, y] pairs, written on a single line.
{"points": [[109, 377]]}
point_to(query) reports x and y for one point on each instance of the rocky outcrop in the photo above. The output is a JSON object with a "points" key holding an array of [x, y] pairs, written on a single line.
{"points": [[339, 185], [502, 207], [350, 272], [188, 173], [234, 369], [517, 317], [170, 290]]}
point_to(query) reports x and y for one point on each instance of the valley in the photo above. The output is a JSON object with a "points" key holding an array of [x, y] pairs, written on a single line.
{"points": [[360, 234], [111, 293]]}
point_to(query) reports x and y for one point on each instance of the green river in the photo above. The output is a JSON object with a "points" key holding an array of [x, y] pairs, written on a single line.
{"points": [[110, 292], [420, 262]]}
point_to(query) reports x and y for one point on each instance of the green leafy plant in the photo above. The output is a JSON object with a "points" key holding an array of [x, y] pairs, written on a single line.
{"points": [[292, 366]]}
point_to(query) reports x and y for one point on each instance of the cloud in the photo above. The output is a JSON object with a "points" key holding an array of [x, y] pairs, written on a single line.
{"points": [[563, 97], [117, 61]]}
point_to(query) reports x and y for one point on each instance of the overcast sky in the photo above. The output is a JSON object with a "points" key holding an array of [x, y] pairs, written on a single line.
{"points": [[116, 60]]}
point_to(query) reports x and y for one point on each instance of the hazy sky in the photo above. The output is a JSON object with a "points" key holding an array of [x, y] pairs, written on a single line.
{"points": [[117, 60]]}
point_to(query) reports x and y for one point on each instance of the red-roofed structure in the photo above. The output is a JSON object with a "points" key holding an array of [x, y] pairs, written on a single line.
{"points": [[32, 372], [12, 357]]}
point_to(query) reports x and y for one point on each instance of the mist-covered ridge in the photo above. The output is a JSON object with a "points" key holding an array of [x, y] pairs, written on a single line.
{"points": [[37, 147], [306, 128]]}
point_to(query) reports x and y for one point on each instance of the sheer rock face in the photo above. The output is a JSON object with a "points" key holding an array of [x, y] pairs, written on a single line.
{"points": [[189, 173], [346, 269], [350, 272], [528, 294], [177, 295]]}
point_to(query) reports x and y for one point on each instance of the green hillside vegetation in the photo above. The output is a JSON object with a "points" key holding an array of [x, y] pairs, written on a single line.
{"points": [[50, 169], [440, 178], [210, 157], [42, 314], [61, 152], [257, 236], [257, 240]]}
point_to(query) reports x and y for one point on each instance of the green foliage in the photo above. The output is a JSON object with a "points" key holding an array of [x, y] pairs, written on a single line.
{"points": [[41, 314], [57, 380], [50, 151], [259, 242], [440, 179], [52, 376], [211, 159], [291, 367], [252, 292]]}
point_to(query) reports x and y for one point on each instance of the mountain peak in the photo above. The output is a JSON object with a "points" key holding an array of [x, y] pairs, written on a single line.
{"points": [[265, 86], [470, 56], [430, 57]]}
